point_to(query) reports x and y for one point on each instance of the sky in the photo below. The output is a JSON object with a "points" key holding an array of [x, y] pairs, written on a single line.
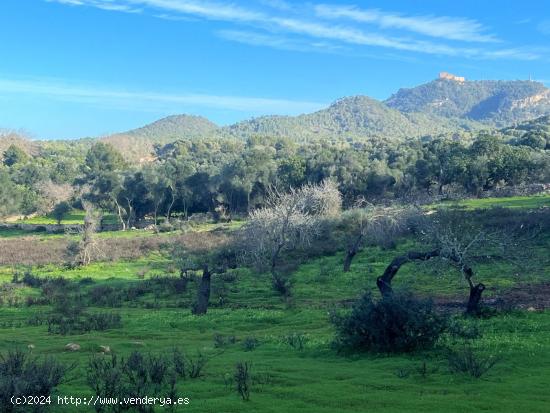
{"points": [[77, 68]]}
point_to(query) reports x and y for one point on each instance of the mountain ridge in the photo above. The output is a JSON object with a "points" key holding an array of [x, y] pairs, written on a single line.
{"points": [[447, 105]]}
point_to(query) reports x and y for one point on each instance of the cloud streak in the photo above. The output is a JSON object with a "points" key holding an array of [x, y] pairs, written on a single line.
{"points": [[315, 26], [278, 42], [150, 100], [444, 27]]}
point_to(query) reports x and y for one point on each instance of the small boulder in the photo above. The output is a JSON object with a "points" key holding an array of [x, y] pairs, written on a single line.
{"points": [[72, 347], [30, 346], [105, 349]]}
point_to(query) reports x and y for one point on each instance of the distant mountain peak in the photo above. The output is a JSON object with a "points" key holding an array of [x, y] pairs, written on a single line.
{"points": [[138, 144], [175, 126], [493, 103]]}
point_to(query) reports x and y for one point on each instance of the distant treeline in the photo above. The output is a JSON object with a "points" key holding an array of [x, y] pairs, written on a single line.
{"points": [[230, 176]]}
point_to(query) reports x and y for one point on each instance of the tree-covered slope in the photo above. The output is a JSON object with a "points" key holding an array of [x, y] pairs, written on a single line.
{"points": [[138, 144], [357, 116], [499, 103]]}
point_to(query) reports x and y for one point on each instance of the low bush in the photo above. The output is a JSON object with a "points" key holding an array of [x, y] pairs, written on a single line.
{"points": [[22, 376], [464, 329], [297, 341], [395, 324], [467, 360], [221, 341], [195, 365], [139, 375], [28, 279], [103, 321], [105, 296], [281, 284], [250, 343], [242, 379]]}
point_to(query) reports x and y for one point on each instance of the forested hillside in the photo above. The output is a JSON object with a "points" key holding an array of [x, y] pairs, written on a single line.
{"points": [[491, 102], [232, 176], [138, 144], [439, 108]]}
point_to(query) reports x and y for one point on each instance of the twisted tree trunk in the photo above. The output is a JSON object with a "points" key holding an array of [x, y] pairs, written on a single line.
{"points": [[203, 294], [352, 252], [473, 307], [384, 281]]}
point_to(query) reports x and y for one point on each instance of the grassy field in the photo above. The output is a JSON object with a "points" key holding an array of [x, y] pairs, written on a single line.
{"points": [[72, 218], [529, 202], [315, 378]]}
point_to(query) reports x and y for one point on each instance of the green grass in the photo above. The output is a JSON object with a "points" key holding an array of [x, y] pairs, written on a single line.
{"points": [[73, 218], [315, 379], [318, 378], [526, 202]]}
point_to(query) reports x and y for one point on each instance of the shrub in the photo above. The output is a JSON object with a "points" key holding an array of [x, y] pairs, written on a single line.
{"points": [[196, 365], [179, 363], [296, 340], [29, 279], [103, 321], [139, 375], [250, 343], [60, 210], [221, 341], [458, 329], [281, 284], [468, 361], [104, 295], [21, 375], [242, 379], [68, 316], [395, 324]]}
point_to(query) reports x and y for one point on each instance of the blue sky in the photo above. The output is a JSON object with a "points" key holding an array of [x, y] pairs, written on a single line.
{"points": [[73, 68]]}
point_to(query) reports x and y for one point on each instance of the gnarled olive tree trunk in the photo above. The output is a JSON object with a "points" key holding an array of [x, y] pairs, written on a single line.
{"points": [[384, 281], [203, 293], [352, 251]]}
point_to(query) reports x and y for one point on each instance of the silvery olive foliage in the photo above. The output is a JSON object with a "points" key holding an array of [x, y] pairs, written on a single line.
{"points": [[289, 220]]}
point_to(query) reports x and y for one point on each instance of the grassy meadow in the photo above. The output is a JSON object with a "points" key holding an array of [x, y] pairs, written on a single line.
{"points": [[248, 321]]}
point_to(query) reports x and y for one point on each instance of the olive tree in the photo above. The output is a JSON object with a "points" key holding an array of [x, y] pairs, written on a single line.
{"points": [[461, 240], [366, 223], [88, 248], [290, 220], [206, 254], [60, 210]]}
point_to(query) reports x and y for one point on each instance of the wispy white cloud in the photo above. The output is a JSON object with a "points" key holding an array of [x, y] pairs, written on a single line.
{"points": [[315, 27], [278, 42], [110, 5], [452, 28], [149, 100]]}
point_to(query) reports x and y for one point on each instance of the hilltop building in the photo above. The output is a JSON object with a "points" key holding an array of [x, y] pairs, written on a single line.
{"points": [[450, 76]]}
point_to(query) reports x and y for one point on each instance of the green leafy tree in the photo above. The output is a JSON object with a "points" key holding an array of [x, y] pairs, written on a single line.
{"points": [[14, 155], [60, 210]]}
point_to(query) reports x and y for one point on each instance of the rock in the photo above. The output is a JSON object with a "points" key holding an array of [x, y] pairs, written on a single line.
{"points": [[30, 346], [105, 349], [72, 347], [531, 309]]}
